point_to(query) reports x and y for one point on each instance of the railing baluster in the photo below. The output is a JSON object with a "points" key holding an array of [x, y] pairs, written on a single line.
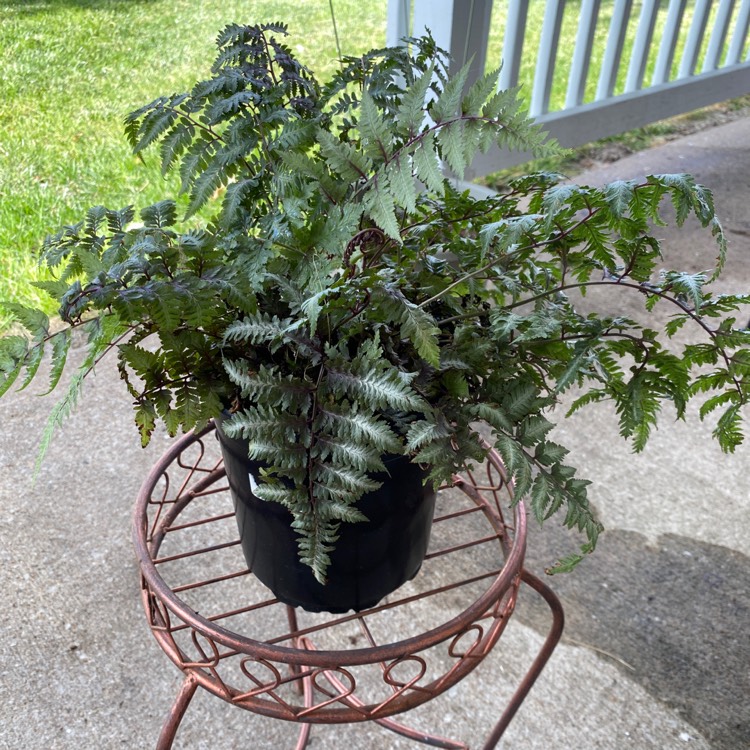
{"points": [[579, 68], [547, 57], [397, 21], [663, 67], [437, 16], [515, 33], [642, 45], [613, 51], [695, 38], [469, 36], [739, 36], [718, 35]]}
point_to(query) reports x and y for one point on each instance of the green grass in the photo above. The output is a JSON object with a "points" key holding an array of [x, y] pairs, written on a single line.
{"points": [[70, 70]]}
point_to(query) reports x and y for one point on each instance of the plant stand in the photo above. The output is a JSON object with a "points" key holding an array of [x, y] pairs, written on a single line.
{"points": [[252, 651]]}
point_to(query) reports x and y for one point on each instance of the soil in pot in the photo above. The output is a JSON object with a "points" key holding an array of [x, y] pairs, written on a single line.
{"points": [[371, 559]]}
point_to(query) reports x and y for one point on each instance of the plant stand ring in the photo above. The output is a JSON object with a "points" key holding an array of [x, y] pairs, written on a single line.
{"points": [[228, 634]]}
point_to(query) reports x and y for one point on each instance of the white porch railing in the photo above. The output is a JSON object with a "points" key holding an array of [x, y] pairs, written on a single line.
{"points": [[697, 53]]}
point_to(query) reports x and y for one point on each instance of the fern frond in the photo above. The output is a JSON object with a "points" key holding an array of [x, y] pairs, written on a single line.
{"points": [[401, 181], [346, 422], [411, 112], [379, 388], [256, 329], [379, 205], [451, 139], [446, 105], [426, 164], [374, 131]]}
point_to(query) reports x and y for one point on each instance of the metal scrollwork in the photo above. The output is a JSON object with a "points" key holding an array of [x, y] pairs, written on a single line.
{"points": [[236, 641]]}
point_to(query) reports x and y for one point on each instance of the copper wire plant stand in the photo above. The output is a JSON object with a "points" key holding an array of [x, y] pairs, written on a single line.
{"points": [[228, 635]]}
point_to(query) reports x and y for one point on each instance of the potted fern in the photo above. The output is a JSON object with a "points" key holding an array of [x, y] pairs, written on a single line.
{"points": [[347, 316]]}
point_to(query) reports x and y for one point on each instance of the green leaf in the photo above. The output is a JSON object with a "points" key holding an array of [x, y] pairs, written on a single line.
{"points": [[60, 346], [574, 366], [401, 182], [728, 430], [381, 389], [451, 139], [232, 206], [379, 206], [618, 196], [423, 432], [34, 321], [344, 158], [14, 350], [411, 112], [534, 429], [496, 417], [419, 327], [145, 421], [312, 308], [371, 379], [205, 185], [174, 144], [426, 164], [716, 401], [446, 105], [540, 497], [689, 285], [359, 427], [479, 92], [520, 400], [59, 413], [258, 328], [31, 362], [153, 125], [161, 215], [548, 453], [375, 132], [456, 384]]}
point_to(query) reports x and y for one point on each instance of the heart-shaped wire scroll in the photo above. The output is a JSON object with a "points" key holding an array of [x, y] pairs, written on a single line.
{"points": [[399, 685], [462, 652], [207, 661], [264, 685], [333, 678]]}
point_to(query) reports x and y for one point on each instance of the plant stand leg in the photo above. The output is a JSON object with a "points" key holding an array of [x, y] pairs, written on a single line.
{"points": [[558, 622], [180, 705]]}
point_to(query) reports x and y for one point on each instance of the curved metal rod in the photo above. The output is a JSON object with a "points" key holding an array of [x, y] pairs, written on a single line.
{"points": [[433, 740], [180, 705], [556, 629]]}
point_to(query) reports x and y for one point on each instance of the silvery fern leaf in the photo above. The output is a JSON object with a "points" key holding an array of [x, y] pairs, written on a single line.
{"points": [[427, 165], [374, 131], [379, 205], [401, 180], [360, 427], [447, 104], [411, 113]]}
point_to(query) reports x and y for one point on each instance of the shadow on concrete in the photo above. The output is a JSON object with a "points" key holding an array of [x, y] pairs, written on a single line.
{"points": [[672, 615]]}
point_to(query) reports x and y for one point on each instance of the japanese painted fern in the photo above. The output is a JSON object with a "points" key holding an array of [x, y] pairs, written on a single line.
{"points": [[344, 301]]}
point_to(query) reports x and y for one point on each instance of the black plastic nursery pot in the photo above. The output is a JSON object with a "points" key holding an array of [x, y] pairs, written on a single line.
{"points": [[371, 559]]}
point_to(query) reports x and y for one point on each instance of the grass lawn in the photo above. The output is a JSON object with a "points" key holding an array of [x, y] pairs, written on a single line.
{"points": [[70, 70]]}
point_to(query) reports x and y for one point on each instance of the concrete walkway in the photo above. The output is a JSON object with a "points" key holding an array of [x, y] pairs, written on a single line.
{"points": [[656, 650]]}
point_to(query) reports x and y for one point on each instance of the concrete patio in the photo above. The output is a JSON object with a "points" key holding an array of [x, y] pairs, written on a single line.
{"points": [[656, 650]]}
